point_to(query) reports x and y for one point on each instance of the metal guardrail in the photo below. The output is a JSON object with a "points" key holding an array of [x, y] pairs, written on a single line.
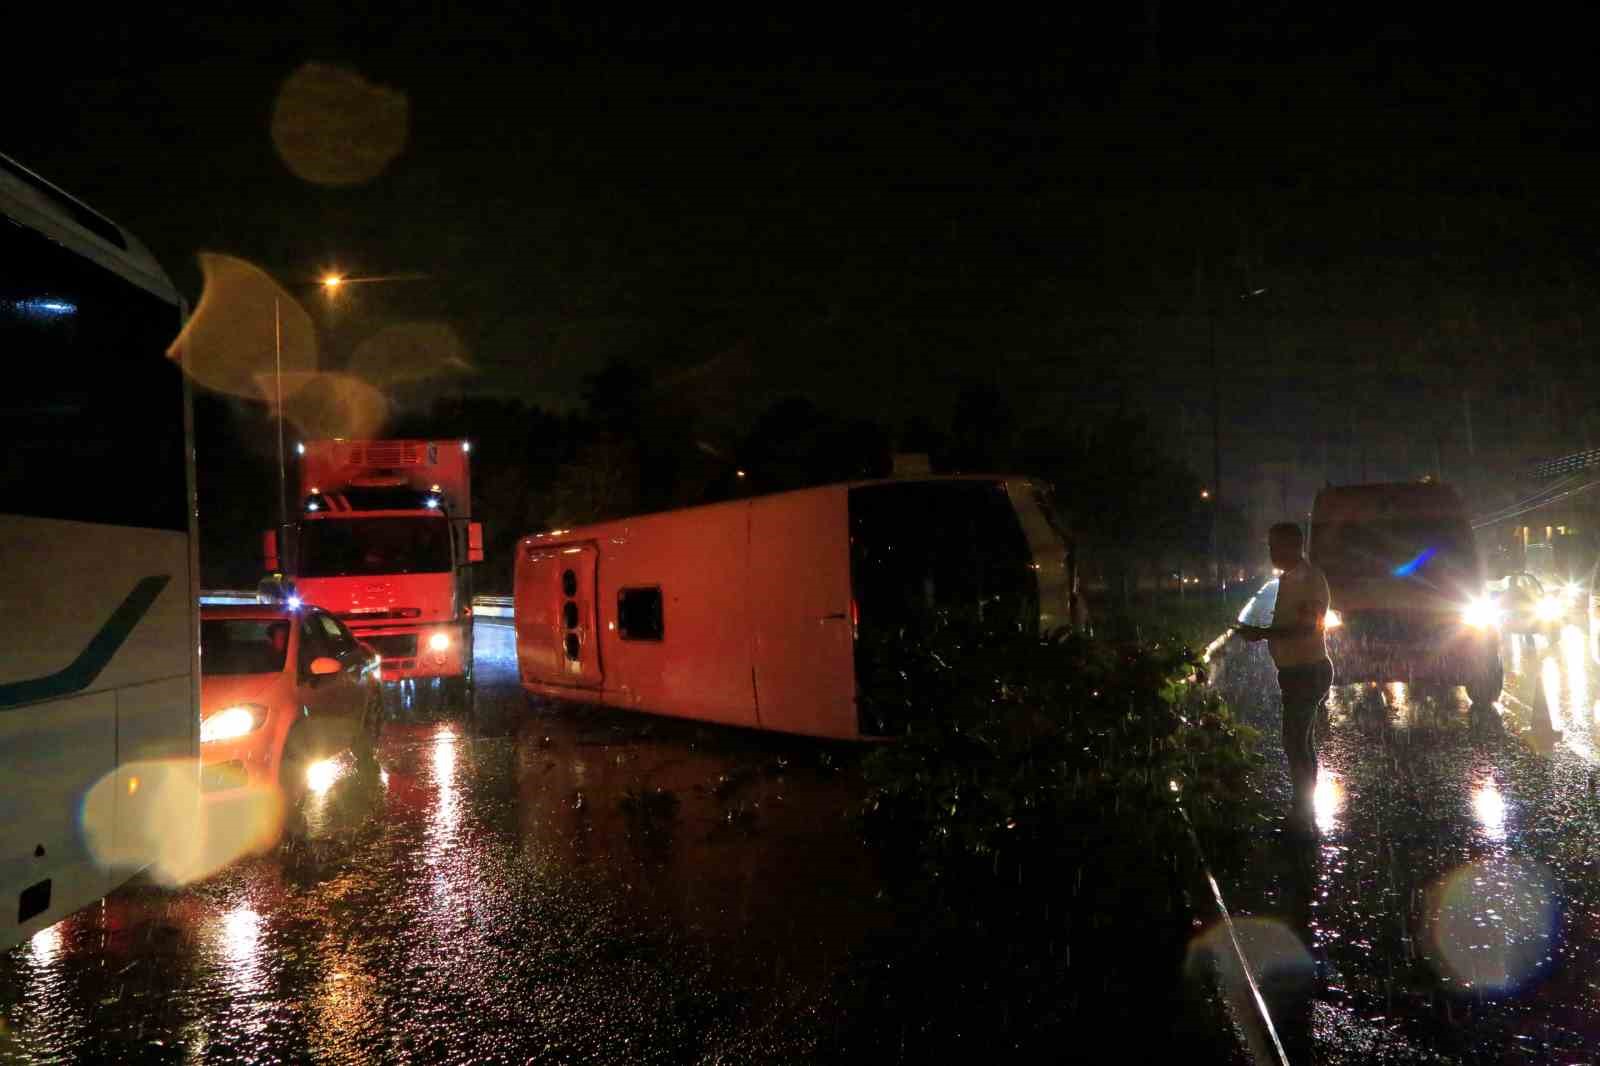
{"points": [[482, 606]]}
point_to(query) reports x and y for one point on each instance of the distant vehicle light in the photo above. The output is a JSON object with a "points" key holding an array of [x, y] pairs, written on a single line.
{"points": [[1332, 619], [466, 445], [232, 723], [432, 503], [439, 642], [1550, 608], [313, 506], [1480, 614], [294, 603], [300, 448]]}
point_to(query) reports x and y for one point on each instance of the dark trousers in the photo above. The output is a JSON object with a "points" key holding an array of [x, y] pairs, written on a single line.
{"points": [[1304, 688]]}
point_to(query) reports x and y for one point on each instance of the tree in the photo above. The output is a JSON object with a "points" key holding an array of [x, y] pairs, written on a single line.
{"points": [[793, 444]]}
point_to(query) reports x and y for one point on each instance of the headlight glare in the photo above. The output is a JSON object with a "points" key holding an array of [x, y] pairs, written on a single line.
{"points": [[1480, 614], [439, 642], [230, 723], [1332, 619], [1550, 608]]}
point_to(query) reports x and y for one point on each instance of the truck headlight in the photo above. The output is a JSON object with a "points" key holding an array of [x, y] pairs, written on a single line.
{"points": [[1480, 613], [439, 642], [231, 723]]}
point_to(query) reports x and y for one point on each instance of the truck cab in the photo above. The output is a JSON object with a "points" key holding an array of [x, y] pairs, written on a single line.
{"points": [[384, 541]]}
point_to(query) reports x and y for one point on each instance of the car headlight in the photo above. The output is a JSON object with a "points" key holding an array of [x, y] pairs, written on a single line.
{"points": [[1480, 614], [1550, 608], [230, 723], [1572, 592], [439, 642], [1332, 619]]}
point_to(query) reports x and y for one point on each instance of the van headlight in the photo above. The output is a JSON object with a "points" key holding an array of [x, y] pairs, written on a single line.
{"points": [[231, 723], [1480, 613], [439, 641]]}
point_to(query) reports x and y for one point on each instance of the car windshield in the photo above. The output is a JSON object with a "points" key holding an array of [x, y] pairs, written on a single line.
{"points": [[243, 645], [1392, 549], [342, 547]]}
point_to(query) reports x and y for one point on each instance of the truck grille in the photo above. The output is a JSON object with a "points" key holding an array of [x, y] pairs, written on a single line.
{"points": [[385, 453], [394, 646], [358, 617]]}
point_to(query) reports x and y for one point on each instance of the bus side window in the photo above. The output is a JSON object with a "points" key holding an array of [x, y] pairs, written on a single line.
{"points": [[639, 614]]}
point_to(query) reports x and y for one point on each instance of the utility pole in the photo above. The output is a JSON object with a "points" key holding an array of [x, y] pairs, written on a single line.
{"points": [[1216, 459], [277, 351]]}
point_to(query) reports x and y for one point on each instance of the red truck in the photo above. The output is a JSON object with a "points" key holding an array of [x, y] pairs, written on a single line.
{"points": [[384, 539]]}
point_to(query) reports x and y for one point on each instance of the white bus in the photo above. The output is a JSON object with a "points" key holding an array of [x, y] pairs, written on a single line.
{"points": [[99, 663]]}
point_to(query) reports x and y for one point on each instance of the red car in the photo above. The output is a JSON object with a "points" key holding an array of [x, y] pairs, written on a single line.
{"points": [[282, 691]]}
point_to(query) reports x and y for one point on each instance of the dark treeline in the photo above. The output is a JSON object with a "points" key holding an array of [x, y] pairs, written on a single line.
{"points": [[633, 447]]}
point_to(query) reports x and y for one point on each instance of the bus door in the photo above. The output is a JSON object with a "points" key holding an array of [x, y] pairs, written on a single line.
{"points": [[557, 627]]}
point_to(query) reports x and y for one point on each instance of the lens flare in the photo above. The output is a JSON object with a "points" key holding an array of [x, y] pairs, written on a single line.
{"points": [[337, 405], [1491, 926], [246, 329], [333, 127], [410, 352]]}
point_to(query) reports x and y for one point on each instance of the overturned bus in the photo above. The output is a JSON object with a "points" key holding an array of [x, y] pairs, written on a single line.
{"points": [[753, 612]]}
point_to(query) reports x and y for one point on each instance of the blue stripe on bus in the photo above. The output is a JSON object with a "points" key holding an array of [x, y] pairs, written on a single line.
{"points": [[81, 672]]}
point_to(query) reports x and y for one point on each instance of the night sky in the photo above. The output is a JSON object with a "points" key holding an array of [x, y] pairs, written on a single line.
{"points": [[876, 210]]}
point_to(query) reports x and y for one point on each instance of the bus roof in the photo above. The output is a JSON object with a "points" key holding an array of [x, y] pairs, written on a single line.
{"points": [[552, 536], [45, 208]]}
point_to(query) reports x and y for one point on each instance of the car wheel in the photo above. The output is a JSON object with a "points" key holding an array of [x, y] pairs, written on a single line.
{"points": [[372, 712], [292, 767]]}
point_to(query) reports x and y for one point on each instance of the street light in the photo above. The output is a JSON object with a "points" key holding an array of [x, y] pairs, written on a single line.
{"points": [[331, 283]]}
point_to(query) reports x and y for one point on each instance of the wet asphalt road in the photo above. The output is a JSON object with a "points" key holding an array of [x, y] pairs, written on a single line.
{"points": [[519, 883], [512, 884], [1451, 900]]}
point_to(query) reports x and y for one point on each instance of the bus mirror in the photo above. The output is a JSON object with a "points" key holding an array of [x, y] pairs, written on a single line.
{"points": [[269, 550], [474, 542]]}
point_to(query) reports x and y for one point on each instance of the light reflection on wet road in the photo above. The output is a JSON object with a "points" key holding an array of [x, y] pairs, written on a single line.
{"points": [[1450, 895], [511, 883]]}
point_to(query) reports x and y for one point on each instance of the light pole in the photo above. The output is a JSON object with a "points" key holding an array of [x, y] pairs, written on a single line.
{"points": [[331, 283], [1215, 494]]}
